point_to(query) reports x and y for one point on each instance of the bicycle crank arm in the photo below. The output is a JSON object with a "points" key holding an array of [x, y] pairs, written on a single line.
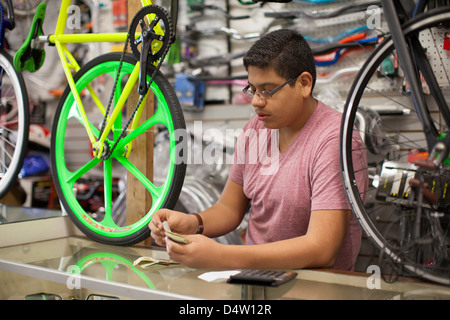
{"points": [[146, 44]]}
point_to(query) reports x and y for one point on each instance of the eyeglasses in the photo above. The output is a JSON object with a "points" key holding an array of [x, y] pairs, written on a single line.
{"points": [[265, 95]]}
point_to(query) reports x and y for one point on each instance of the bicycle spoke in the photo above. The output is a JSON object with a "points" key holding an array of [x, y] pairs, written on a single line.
{"points": [[72, 177], [142, 178], [107, 185], [9, 142], [4, 162], [12, 123]]}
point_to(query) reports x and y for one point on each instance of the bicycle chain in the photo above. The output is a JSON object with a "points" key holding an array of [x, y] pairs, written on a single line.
{"points": [[158, 57]]}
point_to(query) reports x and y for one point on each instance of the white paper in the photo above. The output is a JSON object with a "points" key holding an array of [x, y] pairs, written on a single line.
{"points": [[216, 276]]}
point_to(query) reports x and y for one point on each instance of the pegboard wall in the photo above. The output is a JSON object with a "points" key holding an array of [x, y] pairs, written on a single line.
{"points": [[220, 34], [438, 53], [223, 30], [220, 31], [226, 29]]}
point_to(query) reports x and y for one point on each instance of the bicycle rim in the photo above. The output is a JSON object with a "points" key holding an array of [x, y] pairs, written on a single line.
{"points": [[92, 190], [415, 239], [14, 123]]}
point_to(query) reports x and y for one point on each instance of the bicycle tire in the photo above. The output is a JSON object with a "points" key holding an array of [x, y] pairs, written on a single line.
{"points": [[14, 123], [386, 217], [69, 172]]}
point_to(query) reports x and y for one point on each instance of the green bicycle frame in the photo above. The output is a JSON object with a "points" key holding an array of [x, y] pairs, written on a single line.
{"points": [[60, 39]]}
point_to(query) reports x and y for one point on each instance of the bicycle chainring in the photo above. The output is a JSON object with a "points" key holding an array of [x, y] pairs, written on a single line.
{"points": [[155, 21]]}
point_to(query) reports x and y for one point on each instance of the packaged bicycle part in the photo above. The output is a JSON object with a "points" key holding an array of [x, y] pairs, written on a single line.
{"points": [[394, 181], [190, 93], [395, 185]]}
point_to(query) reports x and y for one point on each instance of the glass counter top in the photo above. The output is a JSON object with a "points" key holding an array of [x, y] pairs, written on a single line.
{"points": [[78, 263]]}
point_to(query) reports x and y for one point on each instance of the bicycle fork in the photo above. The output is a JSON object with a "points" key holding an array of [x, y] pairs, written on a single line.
{"points": [[437, 144]]}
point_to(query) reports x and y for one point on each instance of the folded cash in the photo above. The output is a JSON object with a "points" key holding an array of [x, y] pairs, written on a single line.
{"points": [[173, 235], [145, 262]]}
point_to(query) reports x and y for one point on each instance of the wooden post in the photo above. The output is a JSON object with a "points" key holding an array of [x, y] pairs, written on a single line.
{"points": [[138, 198]]}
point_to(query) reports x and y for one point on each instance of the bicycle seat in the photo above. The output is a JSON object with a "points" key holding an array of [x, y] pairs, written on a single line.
{"points": [[29, 56]]}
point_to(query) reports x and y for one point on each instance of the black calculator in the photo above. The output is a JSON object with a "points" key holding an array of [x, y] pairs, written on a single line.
{"points": [[272, 278]]}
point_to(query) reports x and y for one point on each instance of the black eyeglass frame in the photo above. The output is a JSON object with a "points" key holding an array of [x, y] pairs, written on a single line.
{"points": [[251, 93]]}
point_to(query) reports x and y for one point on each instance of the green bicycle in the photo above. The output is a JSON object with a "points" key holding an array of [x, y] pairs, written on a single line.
{"points": [[101, 123]]}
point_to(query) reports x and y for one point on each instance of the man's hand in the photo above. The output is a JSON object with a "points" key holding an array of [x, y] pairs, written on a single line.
{"points": [[178, 222]]}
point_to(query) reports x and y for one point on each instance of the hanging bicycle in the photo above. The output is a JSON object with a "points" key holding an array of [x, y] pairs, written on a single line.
{"points": [[405, 211], [103, 107], [14, 109]]}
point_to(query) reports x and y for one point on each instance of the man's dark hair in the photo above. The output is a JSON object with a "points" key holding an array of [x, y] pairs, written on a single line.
{"points": [[284, 50]]}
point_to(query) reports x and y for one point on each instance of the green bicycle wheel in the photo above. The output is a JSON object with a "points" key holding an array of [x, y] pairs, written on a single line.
{"points": [[97, 193]]}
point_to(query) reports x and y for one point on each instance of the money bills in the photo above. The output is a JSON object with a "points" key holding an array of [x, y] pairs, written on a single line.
{"points": [[146, 262], [173, 235]]}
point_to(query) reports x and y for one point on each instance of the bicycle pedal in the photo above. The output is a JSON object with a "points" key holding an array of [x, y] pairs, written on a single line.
{"points": [[31, 55]]}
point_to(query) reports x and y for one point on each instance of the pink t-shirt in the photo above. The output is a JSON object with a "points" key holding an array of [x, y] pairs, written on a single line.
{"points": [[284, 187]]}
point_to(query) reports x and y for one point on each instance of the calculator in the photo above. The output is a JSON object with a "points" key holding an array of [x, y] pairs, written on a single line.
{"points": [[272, 278]]}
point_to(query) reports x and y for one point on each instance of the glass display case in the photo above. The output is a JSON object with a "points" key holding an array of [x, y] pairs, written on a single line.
{"points": [[48, 258]]}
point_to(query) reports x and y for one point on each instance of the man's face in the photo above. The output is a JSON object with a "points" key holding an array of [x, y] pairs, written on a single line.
{"points": [[284, 108]]}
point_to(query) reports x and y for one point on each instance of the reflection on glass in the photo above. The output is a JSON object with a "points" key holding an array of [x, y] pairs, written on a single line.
{"points": [[110, 263]]}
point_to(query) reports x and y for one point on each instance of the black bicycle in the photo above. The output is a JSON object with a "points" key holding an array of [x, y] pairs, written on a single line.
{"points": [[405, 209]]}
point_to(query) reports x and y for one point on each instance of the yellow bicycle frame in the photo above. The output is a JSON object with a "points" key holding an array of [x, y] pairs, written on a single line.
{"points": [[59, 39]]}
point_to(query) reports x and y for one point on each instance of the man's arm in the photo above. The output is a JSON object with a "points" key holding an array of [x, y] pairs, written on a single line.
{"points": [[227, 213], [316, 249]]}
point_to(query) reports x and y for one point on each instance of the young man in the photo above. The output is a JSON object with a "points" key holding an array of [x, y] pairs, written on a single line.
{"points": [[300, 216]]}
